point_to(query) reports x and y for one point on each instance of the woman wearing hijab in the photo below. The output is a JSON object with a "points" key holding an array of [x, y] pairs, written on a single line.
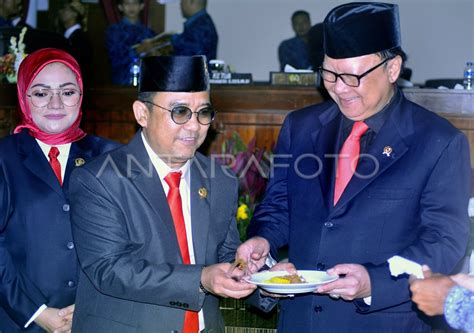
{"points": [[38, 265]]}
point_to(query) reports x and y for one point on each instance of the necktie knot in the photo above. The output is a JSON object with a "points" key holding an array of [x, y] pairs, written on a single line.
{"points": [[173, 179], [53, 152], [358, 129], [53, 161]]}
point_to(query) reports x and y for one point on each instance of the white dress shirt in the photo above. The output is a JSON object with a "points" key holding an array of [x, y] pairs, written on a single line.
{"points": [[62, 158], [184, 189], [71, 29]]}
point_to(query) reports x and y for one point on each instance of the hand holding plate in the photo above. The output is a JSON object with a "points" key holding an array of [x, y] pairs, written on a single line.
{"points": [[354, 282]]}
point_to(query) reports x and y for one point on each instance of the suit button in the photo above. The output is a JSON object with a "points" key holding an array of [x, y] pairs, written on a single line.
{"points": [[318, 308], [66, 207], [320, 266], [328, 224], [70, 245], [71, 284]]}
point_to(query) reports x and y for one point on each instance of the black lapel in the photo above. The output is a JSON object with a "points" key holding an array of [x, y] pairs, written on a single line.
{"points": [[146, 180], [200, 194], [35, 161], [80, 153], [395, 136], [325, 147]]}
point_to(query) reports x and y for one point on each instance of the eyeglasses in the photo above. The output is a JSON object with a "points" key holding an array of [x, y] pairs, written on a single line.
{"points": [[352, 80], [182, 114], [42, 97]]}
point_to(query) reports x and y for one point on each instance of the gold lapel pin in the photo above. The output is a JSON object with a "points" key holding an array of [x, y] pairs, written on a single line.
{"points": [[79, 161], [202, 193], [387, 151]]}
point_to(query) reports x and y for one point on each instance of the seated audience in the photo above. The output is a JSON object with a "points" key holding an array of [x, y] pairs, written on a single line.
{"points": [[126, 40], [199, 36], [10, 12], [294, 51], [72, 19]]}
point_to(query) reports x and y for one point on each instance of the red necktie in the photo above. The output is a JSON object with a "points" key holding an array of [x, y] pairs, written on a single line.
{"points": [[191, 319], [53, 161], [348, 158]]}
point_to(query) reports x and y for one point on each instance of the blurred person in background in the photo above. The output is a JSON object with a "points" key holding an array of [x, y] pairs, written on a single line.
{"points": [[10, 13], [294, 51], [72, 18], [199, 36], [127, 40]]}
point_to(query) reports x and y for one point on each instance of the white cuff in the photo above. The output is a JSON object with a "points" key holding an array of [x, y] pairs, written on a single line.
{"points": [[270, 262], [368, 300], [35, 315]]}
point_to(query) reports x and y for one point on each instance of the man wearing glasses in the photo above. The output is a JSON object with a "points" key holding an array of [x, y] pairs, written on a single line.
{"points": [[154, 223], [359, 179]]}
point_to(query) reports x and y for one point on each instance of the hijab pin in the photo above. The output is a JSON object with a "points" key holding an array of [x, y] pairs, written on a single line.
{"points": [[387, 151], [79, 161], [202, 193]]}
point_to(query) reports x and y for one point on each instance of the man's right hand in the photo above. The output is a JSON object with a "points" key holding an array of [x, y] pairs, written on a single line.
{"points": [[216, 280], [254, 252], [54, 320]]}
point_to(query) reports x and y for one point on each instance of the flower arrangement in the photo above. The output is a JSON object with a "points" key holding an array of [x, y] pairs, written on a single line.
{"points": [[7, 63], [10, 62], [252, 166]]}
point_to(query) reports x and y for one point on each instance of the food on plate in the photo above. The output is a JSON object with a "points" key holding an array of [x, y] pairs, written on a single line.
{"points": [[240, 264], [286, 279]]}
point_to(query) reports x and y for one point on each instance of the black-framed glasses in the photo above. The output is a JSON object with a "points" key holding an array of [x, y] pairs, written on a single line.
{"points": [[42, 97], [181, 114], [352, 80]]}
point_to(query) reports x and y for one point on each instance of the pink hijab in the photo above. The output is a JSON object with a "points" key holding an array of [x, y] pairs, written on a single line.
{"points": [[29, 69]]}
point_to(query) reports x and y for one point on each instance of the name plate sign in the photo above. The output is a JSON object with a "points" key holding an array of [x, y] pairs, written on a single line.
{"points": [[230, 78], [294, 79]]}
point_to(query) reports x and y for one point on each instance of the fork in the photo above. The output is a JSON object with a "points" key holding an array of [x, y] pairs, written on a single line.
{"points": [[245, 271]]}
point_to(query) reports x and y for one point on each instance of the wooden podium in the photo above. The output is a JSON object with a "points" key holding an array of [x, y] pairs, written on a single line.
{"points": [[251, 110]]}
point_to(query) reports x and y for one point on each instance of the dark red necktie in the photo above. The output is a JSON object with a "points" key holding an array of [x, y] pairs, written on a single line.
{"points": [[53, 161], [348, 159], [191, 318]]}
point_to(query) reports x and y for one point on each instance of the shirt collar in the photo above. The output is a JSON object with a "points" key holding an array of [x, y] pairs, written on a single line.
{"points": [[15, 21], [161, 167], [193, 18], [70, 30], [376, 121]]}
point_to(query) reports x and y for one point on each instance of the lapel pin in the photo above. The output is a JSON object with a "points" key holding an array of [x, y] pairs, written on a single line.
{"points": [[79, 161], [202, 193], [387, 151]]}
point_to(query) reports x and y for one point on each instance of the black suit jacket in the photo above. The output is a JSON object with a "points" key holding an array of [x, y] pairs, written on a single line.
{"points": [[134, 279], [410, 199], [38, 262]]}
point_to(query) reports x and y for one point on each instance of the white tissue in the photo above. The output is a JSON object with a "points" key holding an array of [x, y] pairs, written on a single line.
{"points": [[291, 69], [470, 207], [399, 265]]}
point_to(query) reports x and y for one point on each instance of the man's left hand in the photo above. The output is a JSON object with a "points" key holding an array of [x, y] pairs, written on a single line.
{"points": [[354, 283]]}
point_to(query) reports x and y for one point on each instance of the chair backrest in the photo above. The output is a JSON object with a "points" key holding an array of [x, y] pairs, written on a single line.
{"points": [[34, 39], [448, 83]]}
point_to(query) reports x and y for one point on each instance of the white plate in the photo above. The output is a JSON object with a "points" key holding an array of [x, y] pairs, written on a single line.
{"points": [[313, 279]]}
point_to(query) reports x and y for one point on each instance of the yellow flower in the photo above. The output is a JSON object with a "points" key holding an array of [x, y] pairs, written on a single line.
{"points": [[242, 212]]}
